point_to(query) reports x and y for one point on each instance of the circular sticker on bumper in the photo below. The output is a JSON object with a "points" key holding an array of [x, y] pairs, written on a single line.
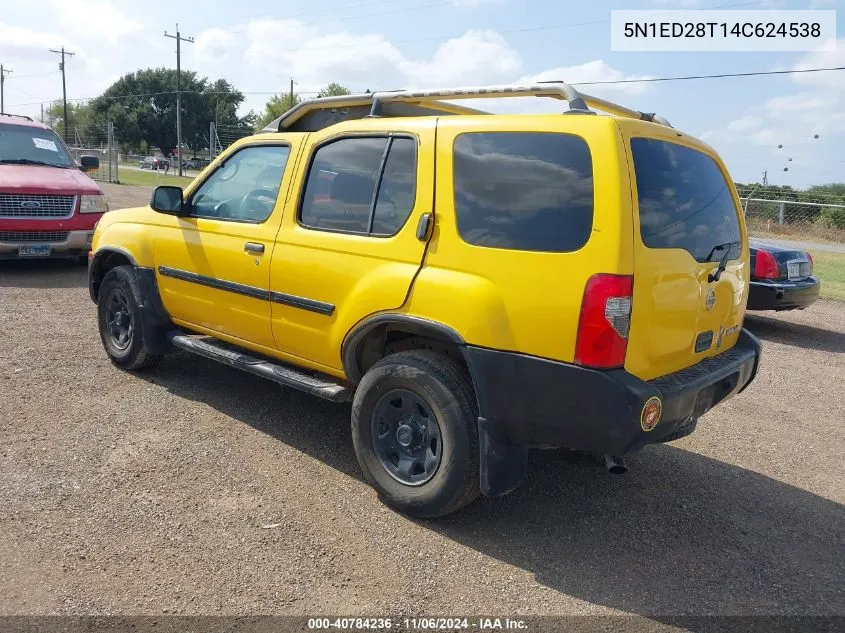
{"points": [[650, 415]]}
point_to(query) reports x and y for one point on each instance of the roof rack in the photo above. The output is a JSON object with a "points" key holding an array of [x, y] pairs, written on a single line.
{"points": [[314, 114], [18, 116]]}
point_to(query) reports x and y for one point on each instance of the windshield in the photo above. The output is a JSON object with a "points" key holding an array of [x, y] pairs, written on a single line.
{"points": [[685, 201], [32, 145]]}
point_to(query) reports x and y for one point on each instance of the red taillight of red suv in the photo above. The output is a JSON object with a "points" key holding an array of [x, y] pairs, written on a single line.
{"points": [[605, 320], [766, 266]]}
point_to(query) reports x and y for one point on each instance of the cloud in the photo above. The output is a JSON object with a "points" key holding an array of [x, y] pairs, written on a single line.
{"points": [[315, 57], [748, 123], [476, 57], [594, 71], [215, 43], [18, 42], [99, 17], [829, 80]]}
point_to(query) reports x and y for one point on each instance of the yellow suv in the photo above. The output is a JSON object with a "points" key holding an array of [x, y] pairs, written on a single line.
{"points": [[475, 284]]}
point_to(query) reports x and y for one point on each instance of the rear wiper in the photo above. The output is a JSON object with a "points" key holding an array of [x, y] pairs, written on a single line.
{"points": [[27, 161], [723, 263]]}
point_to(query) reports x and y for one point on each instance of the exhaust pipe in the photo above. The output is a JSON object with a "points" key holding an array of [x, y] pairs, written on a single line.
{"points": [[615, 464]]}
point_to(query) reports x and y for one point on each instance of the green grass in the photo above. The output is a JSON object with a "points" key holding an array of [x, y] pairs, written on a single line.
{"points": [[830, 269], [150, 178]]}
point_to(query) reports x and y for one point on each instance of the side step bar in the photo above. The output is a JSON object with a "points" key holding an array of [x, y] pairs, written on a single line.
{"points": [[313, 383]]}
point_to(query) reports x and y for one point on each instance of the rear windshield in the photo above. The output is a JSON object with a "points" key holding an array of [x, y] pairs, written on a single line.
{"points": [[684, 200], [524, 191], [26, 144]]}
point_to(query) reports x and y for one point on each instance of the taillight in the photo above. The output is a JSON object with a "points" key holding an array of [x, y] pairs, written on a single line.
{"points": [[766, 266], [605, 320], [810, 258]]}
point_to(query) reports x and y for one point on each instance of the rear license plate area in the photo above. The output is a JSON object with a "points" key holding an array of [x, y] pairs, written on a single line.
{"points": [[34, 250], [793, 270]]}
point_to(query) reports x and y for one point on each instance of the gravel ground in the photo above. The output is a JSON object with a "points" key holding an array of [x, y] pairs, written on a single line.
{"points": [[197, 489], [124, 196]]}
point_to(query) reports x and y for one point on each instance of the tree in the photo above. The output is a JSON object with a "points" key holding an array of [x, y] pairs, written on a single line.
{"points": [[82, 121], [142, 106], [334, 90], [276, 106]]}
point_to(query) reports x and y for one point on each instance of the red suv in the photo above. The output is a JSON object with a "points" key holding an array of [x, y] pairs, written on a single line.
{"points": [[48, 206]]}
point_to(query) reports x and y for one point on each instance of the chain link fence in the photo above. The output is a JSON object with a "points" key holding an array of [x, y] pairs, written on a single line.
{"points": [[99, 141], [221, 136], [787, 219], [808, 221]]}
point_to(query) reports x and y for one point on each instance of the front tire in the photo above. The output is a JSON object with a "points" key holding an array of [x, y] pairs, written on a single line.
{"points": [[121, 320], [414, 428]]}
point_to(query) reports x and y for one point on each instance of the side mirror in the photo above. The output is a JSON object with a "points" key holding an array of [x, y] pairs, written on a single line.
{"points": [[167, 199], [88, 163]]}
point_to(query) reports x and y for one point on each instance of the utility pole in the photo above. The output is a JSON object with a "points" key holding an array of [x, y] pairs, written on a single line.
{"points": [[291, 92], [179, 39], [3, 73], [63, 52]]}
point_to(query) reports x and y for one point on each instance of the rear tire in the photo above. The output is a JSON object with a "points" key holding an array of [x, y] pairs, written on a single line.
{"points": [[121, 320], [425, 399]]}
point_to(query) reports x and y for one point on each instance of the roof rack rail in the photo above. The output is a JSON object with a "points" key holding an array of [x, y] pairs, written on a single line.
{"points": [[18, 116], [420, 102]]}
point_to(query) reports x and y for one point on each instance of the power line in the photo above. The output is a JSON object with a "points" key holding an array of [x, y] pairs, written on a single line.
{"points": [[52, 72], [761, 73], [716, 76], [442, 38]]}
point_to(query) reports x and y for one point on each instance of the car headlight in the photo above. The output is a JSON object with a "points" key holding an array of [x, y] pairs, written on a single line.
{"points": [[93, 204]]}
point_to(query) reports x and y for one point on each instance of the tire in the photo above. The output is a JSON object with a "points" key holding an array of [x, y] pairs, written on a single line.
{"points": [[119, 291], [428, 380]]}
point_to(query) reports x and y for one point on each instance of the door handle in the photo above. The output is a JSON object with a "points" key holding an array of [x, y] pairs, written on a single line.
{"points": [[253, 247], [423, 227]]}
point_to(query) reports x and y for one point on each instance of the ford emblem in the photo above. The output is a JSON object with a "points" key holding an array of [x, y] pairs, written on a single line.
{"points": [[30, 204]]}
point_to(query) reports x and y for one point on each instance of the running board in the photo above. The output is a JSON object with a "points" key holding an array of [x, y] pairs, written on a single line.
{"points": [[313, 383]]}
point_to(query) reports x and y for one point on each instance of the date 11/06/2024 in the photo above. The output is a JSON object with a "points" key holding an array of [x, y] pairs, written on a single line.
{"points": [[417, 624]]}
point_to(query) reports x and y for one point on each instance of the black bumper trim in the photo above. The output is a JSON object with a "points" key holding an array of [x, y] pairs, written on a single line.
{"points": [[782, 295], [540, 402]]}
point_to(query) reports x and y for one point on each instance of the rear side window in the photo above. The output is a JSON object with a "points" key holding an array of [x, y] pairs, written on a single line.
{"points": [[684, 200], [361, 185], [523, 190]]}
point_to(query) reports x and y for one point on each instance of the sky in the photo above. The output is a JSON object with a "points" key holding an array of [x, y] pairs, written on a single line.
{"points": [[259, 45]]}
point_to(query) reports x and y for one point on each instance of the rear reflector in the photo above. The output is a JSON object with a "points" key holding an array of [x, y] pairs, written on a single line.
{"points": [[766, 266], [605, 320]]}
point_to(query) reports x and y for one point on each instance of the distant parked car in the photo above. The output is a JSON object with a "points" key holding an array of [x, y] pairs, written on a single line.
{"points": [[154, 162], [192, 163], [781, 278]]}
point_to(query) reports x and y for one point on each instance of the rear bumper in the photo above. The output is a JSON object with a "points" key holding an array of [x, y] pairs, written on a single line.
{"points": [[530, 401], [782, 295], [77, 243]]}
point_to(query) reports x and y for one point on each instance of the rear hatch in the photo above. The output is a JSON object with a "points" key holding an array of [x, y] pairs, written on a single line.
{"points": [[688, 230]]}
